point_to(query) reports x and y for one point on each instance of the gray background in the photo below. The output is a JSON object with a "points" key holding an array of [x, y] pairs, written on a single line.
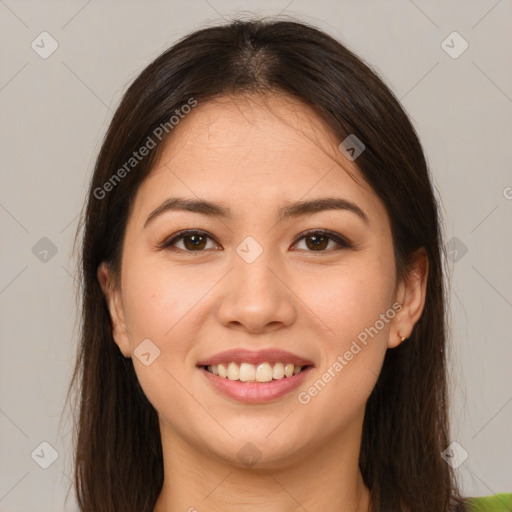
{"points": [[55, 112]]}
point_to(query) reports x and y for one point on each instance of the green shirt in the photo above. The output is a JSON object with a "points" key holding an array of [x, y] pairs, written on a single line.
{"points": [[498, 503]]}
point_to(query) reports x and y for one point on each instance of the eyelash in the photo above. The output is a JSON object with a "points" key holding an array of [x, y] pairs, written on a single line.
{"points": [[342, 242]]}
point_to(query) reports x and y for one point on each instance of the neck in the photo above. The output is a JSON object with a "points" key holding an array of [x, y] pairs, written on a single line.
{"points": [[327, 477]]}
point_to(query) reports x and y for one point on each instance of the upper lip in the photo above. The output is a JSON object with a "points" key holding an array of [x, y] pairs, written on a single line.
{"points": [[239, 356]]}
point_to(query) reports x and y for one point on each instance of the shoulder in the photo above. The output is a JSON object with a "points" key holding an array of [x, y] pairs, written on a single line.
{"points": [[498, 503]]}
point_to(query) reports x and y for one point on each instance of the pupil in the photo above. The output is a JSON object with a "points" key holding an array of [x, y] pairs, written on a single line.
{"points": [[196, 240], [318, 241]]}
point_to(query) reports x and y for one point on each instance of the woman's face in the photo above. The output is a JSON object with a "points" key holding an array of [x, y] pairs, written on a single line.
{"points": [[255, 280]]}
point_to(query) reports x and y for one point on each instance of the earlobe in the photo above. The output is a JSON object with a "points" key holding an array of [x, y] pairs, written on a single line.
{"points": [[113, 299], [411, 294]]}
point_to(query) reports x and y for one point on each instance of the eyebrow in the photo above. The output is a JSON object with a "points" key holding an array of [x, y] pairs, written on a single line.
{"points": [[288, 211]]}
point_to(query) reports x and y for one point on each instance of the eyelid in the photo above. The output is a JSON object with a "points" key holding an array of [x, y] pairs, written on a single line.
{"points": [[170, 241], [341, 241]]}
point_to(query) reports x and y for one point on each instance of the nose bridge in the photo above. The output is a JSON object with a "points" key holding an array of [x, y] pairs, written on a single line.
{"points": [[255, 296], [252, 273]]}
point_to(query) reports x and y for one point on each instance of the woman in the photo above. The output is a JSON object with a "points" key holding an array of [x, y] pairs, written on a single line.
{"points": [[263, 307]]}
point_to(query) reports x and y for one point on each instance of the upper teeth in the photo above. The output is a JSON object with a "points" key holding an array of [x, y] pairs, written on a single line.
{"points": [[247, 372]]}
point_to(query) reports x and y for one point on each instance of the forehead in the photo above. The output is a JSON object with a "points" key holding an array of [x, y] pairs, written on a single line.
{"points": [[254, 150], [261, 129]]}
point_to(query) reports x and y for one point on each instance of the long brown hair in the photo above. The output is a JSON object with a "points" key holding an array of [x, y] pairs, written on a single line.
{"points": [[118, 458]]}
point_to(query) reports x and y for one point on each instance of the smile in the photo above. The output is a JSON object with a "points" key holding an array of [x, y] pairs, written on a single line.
{"points": [[255, 376], [247, 372]]}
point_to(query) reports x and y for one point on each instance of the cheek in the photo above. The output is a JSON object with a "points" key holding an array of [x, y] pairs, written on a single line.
{"points": [[358, 311], [351, 297], [160, 304], [159, 298]]}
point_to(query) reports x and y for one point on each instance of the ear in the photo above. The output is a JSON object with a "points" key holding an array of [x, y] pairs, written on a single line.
{"points": [[113, 298], [411, 293]]}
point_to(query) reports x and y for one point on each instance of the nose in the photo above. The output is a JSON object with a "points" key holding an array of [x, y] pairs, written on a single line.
{"points": [[256, 296]]}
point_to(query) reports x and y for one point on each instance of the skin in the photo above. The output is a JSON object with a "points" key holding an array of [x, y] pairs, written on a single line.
{"points": [[255, 154]]}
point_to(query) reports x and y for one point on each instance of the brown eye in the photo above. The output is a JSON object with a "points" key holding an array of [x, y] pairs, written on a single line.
{"points": [[196, 241], [318, 241], [193, 241]]}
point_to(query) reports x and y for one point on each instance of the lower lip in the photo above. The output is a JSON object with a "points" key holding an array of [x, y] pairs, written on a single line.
{"points": [[256, 392]]}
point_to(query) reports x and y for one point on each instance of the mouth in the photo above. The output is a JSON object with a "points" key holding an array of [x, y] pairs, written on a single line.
{"points": [[255, 377], [260, 373]]}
